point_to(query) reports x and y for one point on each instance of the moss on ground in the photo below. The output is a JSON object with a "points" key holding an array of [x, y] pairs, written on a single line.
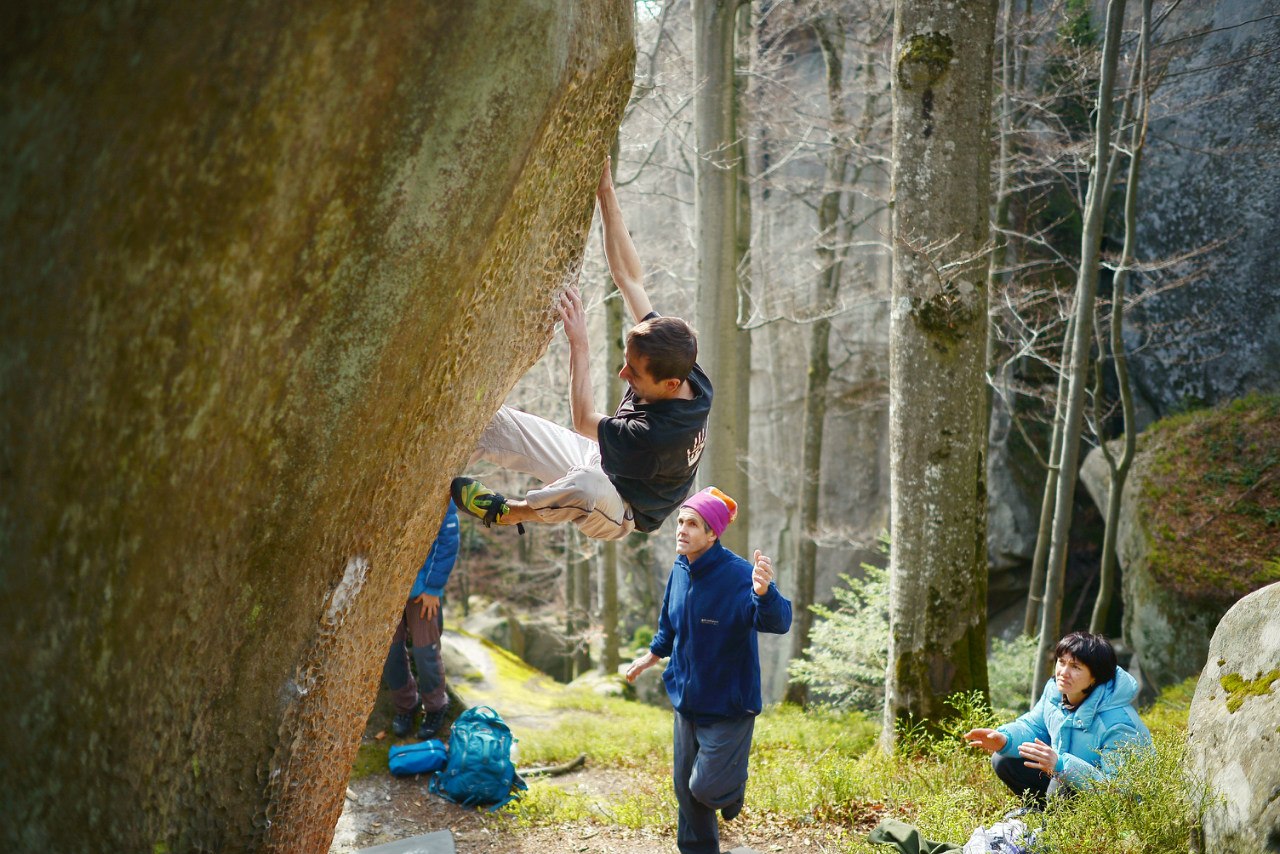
{"points": [[1212, 500]]}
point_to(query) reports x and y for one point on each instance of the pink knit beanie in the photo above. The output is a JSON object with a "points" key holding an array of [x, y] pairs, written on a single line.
{"points": [[716, 508]]}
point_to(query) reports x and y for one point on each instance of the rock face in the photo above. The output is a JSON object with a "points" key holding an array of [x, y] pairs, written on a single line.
{"points": [[538, 641], [1210, 176], [1168, 632], [267, 270], [1233, 741]]}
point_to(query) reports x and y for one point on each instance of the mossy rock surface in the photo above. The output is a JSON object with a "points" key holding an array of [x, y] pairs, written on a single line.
{"points": [[1199, 528], [1211, 500]]}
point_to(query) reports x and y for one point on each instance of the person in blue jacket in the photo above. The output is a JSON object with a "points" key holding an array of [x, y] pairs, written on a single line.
{"points": [[1073, 736], [714, 605], [423, 622]]}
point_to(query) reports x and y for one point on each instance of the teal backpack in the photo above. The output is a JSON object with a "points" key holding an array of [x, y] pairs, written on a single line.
{"points": [[479, 771]]}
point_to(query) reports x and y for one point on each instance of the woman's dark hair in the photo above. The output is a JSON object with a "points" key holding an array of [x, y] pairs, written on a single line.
{"points": [[1093, 651]]}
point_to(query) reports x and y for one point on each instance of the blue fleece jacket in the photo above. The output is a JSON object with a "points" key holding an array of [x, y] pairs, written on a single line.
{"points": [[1086, 738], [710, 616], [435, 571]]}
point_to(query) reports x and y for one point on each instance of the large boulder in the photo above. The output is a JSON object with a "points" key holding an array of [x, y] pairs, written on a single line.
{"points": [[1197, 529], [268, 268], [1232, 739]]}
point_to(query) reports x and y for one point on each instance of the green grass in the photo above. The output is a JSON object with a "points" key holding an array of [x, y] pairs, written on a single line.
{"points": [[821, 767], [371, 759], [614, 733]]}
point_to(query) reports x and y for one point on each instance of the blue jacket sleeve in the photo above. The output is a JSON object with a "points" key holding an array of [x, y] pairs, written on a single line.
{"points": [[436, 569], [664, 640], [772, 611], [1029, 727], [1113, 731]]}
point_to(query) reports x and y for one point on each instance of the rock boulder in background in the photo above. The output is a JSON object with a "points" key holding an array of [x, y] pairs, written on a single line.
{"points": [[1194, 531]]}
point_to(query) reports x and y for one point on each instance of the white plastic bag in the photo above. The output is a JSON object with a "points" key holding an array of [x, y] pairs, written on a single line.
{"points": [[1004, 837]]}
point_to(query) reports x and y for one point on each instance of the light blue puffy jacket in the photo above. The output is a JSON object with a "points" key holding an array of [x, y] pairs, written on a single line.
{"points": [[1086, 738]]}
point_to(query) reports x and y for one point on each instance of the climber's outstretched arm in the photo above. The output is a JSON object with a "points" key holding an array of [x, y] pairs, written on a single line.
{"points": [[582, 405], [619, 251]]}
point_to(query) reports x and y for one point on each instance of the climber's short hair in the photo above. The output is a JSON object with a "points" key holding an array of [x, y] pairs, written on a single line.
{"points": [[668, 344]]}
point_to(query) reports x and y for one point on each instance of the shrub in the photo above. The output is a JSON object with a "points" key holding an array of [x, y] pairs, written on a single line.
{"points": [[849, 646], [1009, 670], [849, 651]]}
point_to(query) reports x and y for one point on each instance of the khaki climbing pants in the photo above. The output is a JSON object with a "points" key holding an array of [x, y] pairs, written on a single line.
{"points": [[575, 488]]}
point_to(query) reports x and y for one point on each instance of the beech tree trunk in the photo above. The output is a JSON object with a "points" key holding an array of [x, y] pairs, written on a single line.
{"points": [[1077, 367], [724, 350], [835, 229], [1036, 588], [937, 352], [1120, 468]]}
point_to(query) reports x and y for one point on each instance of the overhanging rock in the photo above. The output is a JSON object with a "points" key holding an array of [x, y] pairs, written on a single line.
{"points": [[268, 268]]}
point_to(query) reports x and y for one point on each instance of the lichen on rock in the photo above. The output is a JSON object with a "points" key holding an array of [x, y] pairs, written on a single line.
{"points": [[1239, 689]]}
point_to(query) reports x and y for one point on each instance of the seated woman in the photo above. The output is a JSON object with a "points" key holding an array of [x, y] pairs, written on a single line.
{"points": [[1068, 740]]}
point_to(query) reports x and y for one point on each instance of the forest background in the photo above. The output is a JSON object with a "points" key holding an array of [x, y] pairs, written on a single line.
{"points": [[754, 166]]}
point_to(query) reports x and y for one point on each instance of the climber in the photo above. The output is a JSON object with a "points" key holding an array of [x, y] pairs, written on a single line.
{"points": [[609, 475]]}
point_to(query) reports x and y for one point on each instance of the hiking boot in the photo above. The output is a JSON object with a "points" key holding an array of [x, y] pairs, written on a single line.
{"points": [[730, 812], [431, 723], [475, 499], [403, 722]]}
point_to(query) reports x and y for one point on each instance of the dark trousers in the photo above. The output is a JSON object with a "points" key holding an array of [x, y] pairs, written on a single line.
{"points": [[425, 635], [710, 773], [1026, 783]]}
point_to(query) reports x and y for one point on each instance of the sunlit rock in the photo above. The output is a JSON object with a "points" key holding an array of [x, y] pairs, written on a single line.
{"points": [[267, 270]]}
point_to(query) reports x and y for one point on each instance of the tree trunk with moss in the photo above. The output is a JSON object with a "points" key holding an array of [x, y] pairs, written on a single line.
{"points": [[937, 351], [724, 349], [254, 274]]}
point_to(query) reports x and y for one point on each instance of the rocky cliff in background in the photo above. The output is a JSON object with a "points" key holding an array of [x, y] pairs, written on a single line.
{"points": [[267, 270], [1210, 180], [1212, 175]]}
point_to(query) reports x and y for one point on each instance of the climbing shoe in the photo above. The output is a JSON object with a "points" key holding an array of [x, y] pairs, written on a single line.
{"points": [[403, 722], [431, 723], [474, 498], [730, 812]]}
